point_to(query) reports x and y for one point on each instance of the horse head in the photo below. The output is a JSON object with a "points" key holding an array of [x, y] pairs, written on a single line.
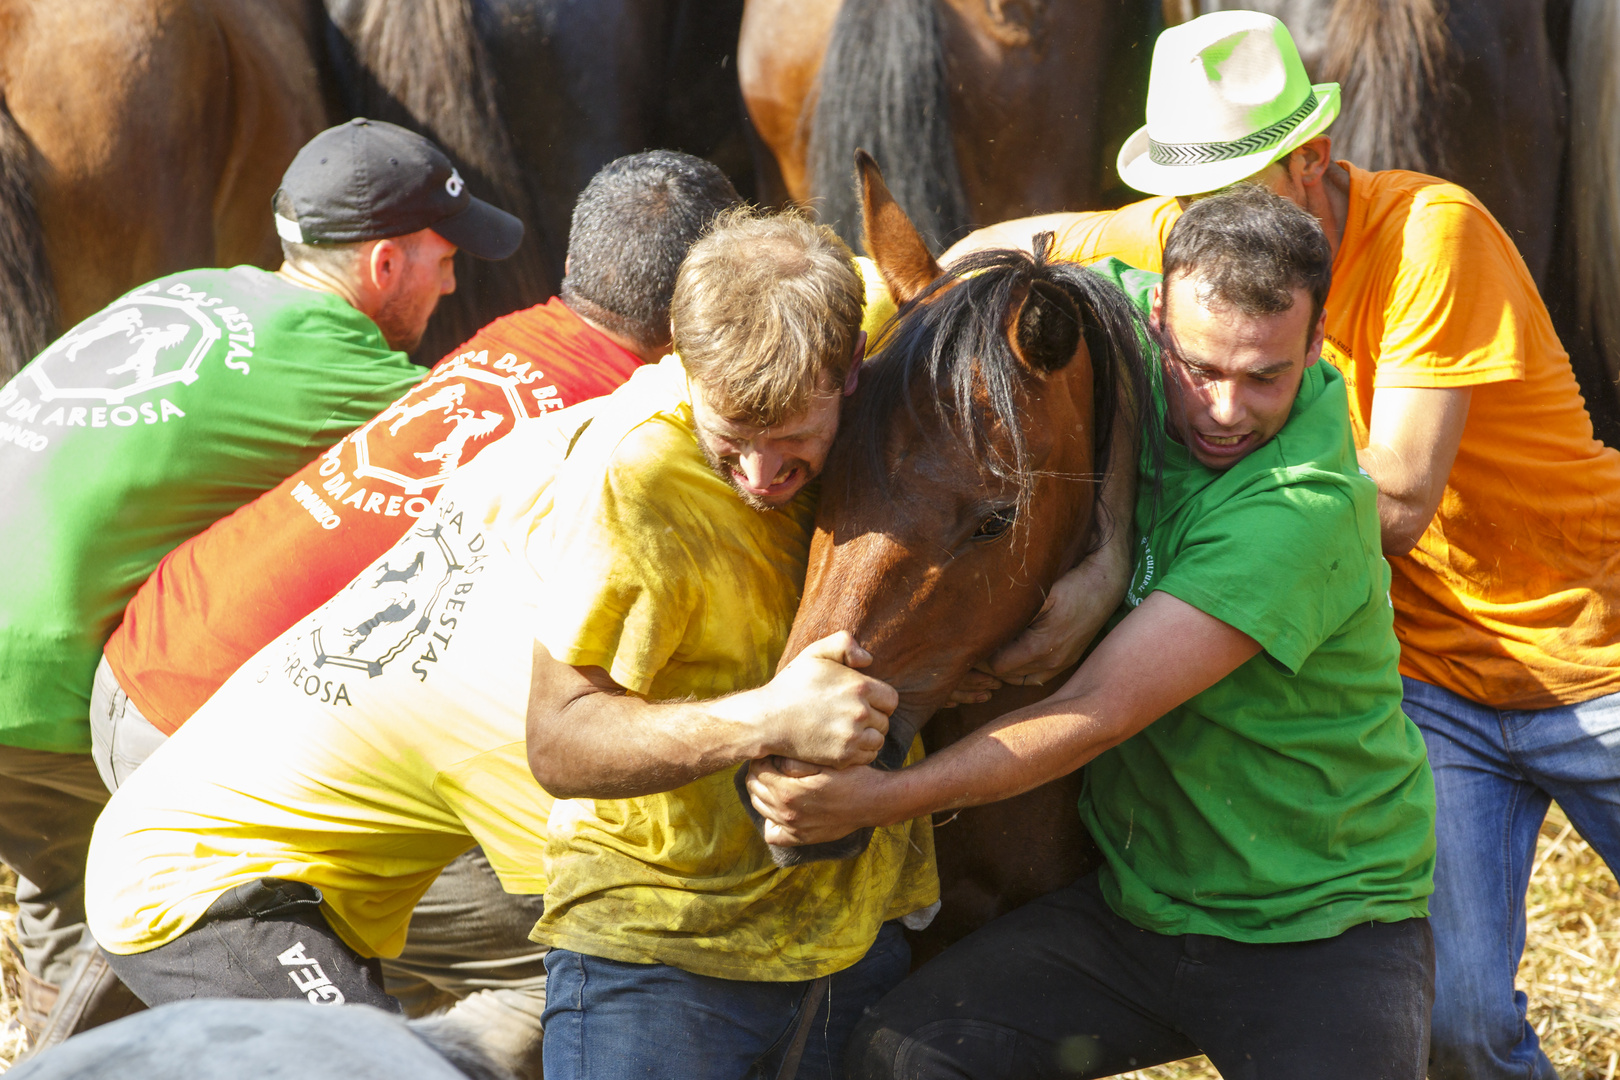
{"points": [[964, 477]]}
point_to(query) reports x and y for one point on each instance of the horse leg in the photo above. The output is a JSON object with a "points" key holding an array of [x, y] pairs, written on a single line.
{"points": [[123, 162], [277, 105], [28, 318], [779, 52]]}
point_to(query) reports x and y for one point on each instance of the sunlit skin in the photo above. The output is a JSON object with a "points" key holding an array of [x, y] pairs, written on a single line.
{"points": [[769, 466], [397, 282], [1230, 377]]}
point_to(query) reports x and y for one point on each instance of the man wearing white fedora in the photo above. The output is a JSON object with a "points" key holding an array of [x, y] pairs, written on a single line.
{"points": [[1498, 507]]}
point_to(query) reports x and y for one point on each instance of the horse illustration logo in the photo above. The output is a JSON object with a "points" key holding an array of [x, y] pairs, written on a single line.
{"points": [[468, 427], [151, 340], [447, 398], [393, 613], [403, 575], [139, 344], [123, 321]]}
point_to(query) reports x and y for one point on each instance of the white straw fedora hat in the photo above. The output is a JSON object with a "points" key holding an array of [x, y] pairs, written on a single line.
{"points": [[1227, 97]]}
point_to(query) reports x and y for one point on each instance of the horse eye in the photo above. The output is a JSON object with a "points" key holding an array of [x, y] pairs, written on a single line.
{"points": [[996, 524]]}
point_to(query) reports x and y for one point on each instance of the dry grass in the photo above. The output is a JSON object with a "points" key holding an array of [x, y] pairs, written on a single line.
{"points": [[1571, 966], [11, 1033]]}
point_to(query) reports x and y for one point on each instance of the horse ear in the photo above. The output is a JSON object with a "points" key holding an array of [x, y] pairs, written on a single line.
{"points": [[1047, 330], [893, 242]]}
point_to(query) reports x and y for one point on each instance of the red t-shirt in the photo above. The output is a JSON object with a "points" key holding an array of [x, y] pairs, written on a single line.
{"points": [[224, 594]]}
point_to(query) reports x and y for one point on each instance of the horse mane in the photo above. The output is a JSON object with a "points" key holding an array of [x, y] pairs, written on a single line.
{"points": [[28, 312], [1393, 60], [954, 335], [422, 65], [1594, 97], [882, 87]]}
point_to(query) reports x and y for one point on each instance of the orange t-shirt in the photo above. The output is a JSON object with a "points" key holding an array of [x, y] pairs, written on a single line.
{"points": [[1133, 234], [1512, 596], [224, 594]]}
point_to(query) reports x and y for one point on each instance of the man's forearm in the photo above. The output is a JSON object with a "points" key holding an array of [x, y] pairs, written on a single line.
{"points": [[605, 745], [1013, 754]]}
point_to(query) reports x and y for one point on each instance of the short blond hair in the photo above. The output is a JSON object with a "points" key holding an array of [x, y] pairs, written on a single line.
{"points": [[765, 313]]}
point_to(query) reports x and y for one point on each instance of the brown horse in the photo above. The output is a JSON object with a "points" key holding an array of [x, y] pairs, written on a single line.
{"points": [[140, 138], [962, 485], [982, 109], [145, 137]]}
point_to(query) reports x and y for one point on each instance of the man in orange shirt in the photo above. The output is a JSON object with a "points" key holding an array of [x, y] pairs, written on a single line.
{"points": [[1498, 508]]}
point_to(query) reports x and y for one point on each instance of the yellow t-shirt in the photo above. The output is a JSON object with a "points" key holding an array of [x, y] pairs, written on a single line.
{"points": [[656, 571], [365, 748], [1512, 595]]}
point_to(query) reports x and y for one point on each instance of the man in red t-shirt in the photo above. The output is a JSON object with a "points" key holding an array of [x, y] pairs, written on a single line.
{"points": [[221, 596]]}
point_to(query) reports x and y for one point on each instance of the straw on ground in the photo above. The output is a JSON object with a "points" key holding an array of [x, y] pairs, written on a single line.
{"points": [[1571, 966]]}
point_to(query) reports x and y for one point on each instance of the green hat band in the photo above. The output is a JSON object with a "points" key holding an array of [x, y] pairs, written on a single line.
{"points": [[1204, 152]]}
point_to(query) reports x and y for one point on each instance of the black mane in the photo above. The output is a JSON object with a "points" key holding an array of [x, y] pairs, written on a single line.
{"points": [[954, 335]]}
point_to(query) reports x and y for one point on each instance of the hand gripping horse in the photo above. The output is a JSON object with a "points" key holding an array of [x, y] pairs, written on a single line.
{"points": [[963, 483]]}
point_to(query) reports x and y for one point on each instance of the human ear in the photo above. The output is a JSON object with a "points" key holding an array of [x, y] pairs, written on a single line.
{"points": [[1313, 348], [1310, 160], [384, 263]]}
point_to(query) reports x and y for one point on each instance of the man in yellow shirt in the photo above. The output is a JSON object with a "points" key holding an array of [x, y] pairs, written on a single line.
{"points": [[678, 948], [1499, 509], [277, 844]]}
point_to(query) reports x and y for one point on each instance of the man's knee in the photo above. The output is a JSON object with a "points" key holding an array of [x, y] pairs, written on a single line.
{"points": [[886, 1047]]}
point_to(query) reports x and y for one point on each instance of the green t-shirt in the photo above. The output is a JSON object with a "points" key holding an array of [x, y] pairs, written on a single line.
{"points": [[140, 427], [1292, 799]]}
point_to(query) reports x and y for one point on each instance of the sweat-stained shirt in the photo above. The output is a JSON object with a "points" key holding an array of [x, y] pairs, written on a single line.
{"points": [[138, 428], [368, 746], [221, 596], [384, 734], [1292, 799], [659, 573], [1512, 595]]}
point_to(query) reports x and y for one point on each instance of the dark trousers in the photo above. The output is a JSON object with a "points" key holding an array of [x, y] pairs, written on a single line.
{"points": [[48, 805], [1064, 987], [264, 939]]}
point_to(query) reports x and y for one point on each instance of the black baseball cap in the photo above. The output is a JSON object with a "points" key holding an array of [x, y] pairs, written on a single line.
{"points": [[370, 180]]}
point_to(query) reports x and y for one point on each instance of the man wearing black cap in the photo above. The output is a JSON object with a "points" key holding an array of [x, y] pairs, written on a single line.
{"points": [[162, 413]]}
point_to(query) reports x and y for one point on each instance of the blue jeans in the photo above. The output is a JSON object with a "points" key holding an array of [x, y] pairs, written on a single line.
{"points": [[609, 1020], [1495, 771]]}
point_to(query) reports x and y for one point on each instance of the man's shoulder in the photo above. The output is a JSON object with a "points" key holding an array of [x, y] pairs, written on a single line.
{"points": [[1415, 207], [641, 440]]}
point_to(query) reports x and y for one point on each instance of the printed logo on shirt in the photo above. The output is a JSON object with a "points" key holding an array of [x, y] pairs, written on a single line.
{"points": [[309, 977], [1142, 576], [400, 612], [120, 367], [392, 464]]}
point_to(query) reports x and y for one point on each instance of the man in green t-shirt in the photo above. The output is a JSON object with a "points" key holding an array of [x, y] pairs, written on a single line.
{"points": [[166, 411], [1264, 809]]}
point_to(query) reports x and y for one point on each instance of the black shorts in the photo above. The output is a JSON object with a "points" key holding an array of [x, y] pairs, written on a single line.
{"points": [[263, 939]]}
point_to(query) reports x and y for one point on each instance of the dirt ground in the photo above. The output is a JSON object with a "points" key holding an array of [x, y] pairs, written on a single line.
{"points": [[1571, 966]]}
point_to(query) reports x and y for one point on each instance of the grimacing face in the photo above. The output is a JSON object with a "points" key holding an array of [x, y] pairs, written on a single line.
{"points": [[767, 466], [1230, 378]]}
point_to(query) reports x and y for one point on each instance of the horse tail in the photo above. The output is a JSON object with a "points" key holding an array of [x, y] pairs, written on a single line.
{"points": [[882, 88], [1392, 60], [1594, 94], [423, 66], [28, 313]]}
